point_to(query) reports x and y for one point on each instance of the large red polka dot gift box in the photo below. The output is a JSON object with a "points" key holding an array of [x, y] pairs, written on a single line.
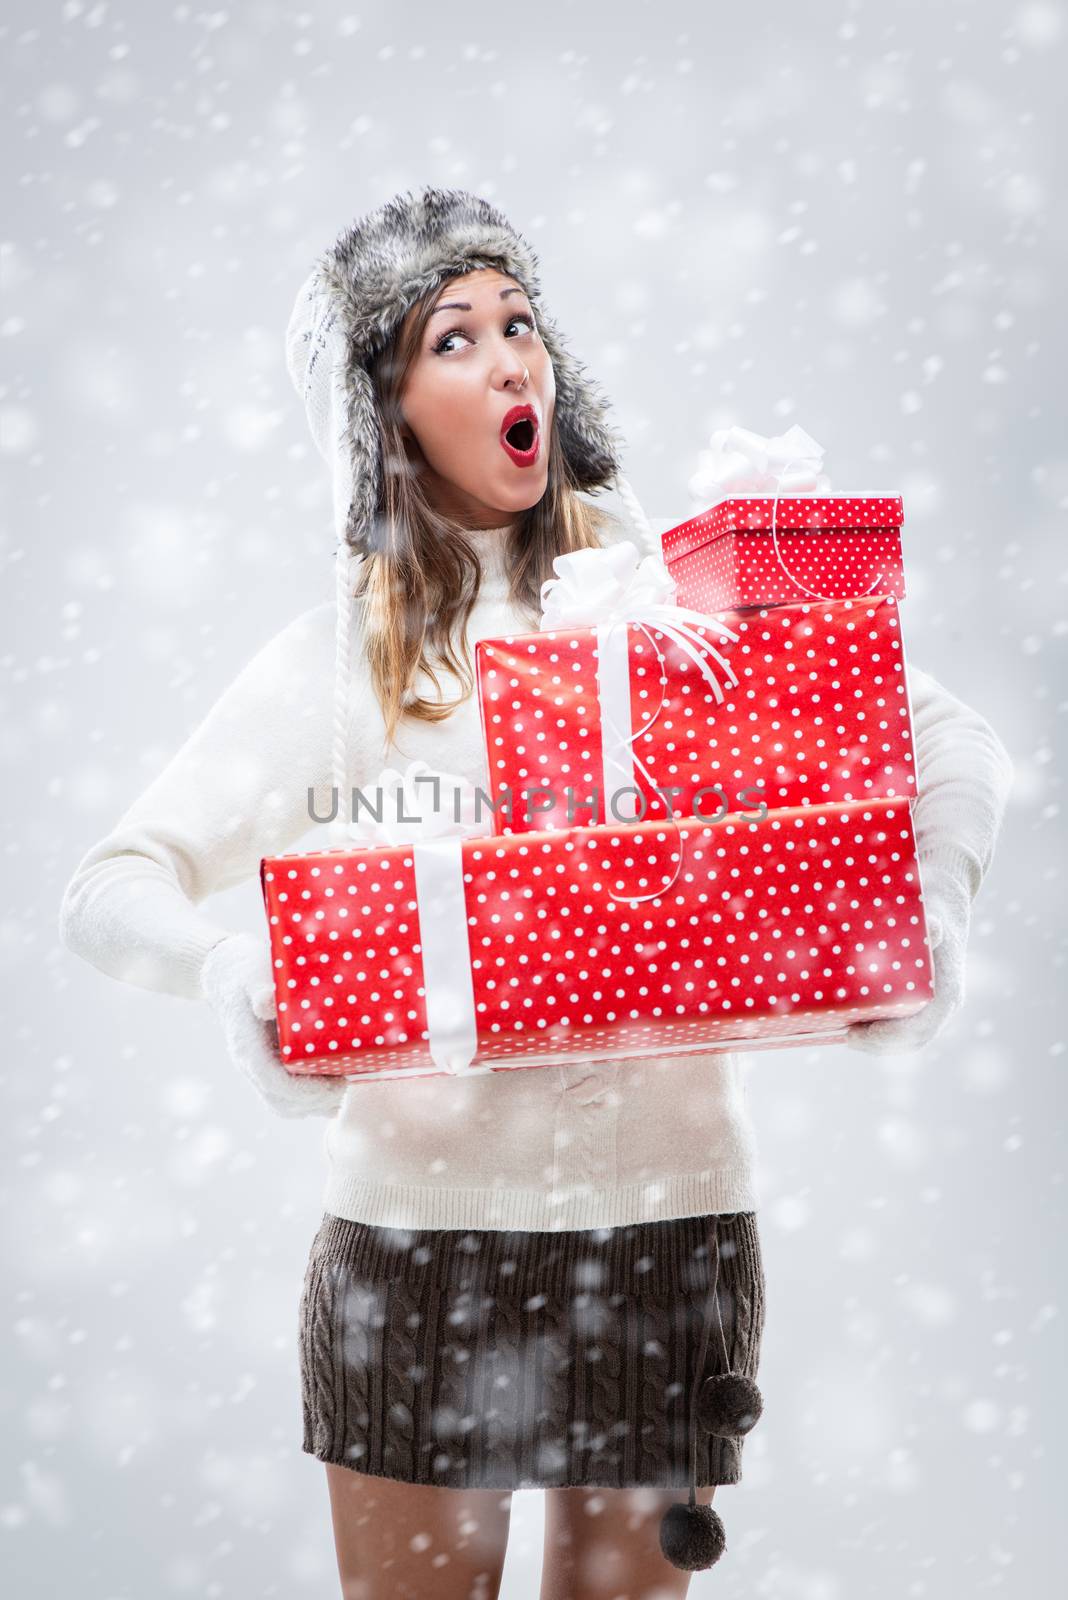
{"points": [[805, 705], [470, 953], [770, 536]]}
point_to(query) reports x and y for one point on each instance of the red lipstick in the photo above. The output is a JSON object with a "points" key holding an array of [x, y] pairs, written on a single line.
{"points": [[524, 445]]}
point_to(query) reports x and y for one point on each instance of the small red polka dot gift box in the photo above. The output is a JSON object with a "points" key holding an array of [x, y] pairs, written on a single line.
{"points": [[473, 954], [762, 550], [618, 723]]}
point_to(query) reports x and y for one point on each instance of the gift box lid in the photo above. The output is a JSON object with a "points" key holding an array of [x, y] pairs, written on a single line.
{"points": [[747, 513]]}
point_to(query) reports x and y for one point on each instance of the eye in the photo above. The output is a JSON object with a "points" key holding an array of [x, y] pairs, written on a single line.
{"points": [[443, 347], [442, 343]]}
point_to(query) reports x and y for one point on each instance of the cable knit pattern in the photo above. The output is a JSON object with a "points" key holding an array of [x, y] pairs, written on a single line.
{"points": [[490, 1151], [500, 1359]]}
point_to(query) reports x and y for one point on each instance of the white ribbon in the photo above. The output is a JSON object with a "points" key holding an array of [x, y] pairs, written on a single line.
{"points": [[606, 589], [447, 981], [412, 814], [740, 462]]}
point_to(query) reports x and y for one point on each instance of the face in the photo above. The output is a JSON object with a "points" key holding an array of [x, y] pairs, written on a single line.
{"points": [[464, 383]]}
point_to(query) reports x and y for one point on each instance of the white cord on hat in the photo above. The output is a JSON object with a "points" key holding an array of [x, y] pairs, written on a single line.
{"points": [[339, 753], [636, 519]]}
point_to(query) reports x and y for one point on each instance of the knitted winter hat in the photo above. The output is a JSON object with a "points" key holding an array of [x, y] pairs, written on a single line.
{"points": [[346, 311]]}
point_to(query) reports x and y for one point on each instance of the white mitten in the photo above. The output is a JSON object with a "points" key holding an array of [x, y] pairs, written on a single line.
{"points": [[237, 982], [947, 904]]}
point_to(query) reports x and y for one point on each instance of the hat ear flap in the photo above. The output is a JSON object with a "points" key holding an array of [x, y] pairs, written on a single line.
{"points": [[364, 436], [590, 447]]}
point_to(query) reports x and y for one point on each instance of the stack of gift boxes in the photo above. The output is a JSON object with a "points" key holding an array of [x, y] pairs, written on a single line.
{"points": [[735, 865]]}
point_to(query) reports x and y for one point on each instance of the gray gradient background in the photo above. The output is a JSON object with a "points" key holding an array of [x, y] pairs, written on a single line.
{"points": [[839, 215]]}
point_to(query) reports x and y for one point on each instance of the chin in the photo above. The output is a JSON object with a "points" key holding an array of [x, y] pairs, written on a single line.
{"points": [[521, 496]]}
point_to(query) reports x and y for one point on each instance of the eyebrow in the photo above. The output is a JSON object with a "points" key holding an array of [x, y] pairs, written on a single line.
{"points": [[463, 305]]}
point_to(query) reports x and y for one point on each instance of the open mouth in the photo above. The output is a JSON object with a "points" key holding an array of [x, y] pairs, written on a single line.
{"points": [[520, 435]]}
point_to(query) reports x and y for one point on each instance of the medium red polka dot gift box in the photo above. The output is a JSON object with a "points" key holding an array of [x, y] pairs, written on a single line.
{"points": [[808, 705], [454, 954], [774, 534], [762, 549]]}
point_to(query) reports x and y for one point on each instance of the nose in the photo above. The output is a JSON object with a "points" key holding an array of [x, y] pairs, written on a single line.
{"points": [[511, 369]]}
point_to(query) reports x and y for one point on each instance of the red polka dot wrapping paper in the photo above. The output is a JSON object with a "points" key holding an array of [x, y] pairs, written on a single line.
{"points": [[767, 932], [825, 547], [820, 714]]}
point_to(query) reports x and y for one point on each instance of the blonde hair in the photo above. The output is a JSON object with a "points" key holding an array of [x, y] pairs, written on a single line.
{"points": [[419, 583]]}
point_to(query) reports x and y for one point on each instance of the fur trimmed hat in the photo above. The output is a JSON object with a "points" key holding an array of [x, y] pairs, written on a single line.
{"points": [[355, 299]]}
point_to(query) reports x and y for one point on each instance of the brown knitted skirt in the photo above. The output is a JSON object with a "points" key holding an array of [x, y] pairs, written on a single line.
{"points": [[501, 1359]]}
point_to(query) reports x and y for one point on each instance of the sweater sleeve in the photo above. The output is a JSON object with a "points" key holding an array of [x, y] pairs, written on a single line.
{"points": [[963, 776], [236, 790]]}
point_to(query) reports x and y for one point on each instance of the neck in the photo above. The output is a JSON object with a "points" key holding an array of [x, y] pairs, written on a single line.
{"points": [[490, 545]]}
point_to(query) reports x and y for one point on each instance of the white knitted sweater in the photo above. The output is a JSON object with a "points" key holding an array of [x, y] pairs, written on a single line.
{"points": [[576, 1146]]}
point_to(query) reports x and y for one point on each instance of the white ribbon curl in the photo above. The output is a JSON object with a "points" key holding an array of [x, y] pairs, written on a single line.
{"points": [[606, 589]]}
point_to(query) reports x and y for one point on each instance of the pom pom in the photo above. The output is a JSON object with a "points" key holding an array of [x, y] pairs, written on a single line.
{"points": [[729, 1404], [692, 1537]]}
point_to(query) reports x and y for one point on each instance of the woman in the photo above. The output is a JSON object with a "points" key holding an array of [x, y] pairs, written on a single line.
{"points": [[528, 1277]]}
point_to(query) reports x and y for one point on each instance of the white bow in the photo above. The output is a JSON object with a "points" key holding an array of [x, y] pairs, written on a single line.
{"points": [[602, 585], [606, 589], [418, 803], [740, 462], [616, 585]]}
